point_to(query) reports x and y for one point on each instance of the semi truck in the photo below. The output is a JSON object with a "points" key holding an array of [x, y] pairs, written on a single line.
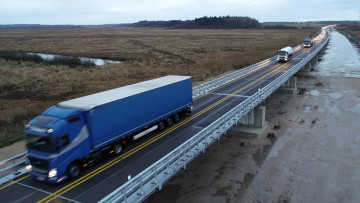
{"points": [[79, 132], [285, 54], [308, 43]]}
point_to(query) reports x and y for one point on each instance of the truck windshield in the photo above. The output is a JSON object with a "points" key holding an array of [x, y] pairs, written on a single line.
{"points": [[307, 41], [39, 143], [282, 53]]}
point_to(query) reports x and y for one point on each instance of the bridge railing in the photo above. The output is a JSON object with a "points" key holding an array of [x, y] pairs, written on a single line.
{"points": [[12, 165], [145, 183]]}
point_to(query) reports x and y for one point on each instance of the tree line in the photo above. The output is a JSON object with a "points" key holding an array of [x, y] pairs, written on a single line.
{"points": [[224, 22]]}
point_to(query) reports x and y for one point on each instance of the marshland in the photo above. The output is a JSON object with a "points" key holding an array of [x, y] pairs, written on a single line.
{"points": [[29, 87]]}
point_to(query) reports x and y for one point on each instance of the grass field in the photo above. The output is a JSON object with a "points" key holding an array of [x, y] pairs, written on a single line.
{"points": [[357, 35], [352, 29], [27, 88]]}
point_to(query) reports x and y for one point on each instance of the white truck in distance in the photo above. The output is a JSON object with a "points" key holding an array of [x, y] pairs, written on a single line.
{"points": [[285, 54]]}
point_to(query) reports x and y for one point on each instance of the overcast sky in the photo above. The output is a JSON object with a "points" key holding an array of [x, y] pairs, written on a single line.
{"points": [[90, 12]]}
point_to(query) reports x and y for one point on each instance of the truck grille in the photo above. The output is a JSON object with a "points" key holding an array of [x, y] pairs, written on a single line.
{"points": [[40, 164]]}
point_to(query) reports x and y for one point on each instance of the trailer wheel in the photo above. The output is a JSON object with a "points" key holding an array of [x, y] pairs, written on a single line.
{"points": [[169, 121], [176, 118], [74, 170], [118, 147], [161, 125]]}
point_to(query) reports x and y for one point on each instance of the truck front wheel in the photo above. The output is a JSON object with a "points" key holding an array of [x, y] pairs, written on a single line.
{"points": [[74, 170]]}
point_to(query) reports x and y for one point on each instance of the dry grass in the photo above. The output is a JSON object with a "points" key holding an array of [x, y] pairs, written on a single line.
{"points": [[357, 35], [27, 89]]}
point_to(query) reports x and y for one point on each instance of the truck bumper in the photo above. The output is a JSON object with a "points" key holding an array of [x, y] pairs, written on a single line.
{"points": [[41, 177], [282, 60]]}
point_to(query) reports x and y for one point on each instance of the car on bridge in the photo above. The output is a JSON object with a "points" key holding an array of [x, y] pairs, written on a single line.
{"points": [[308, 43]]}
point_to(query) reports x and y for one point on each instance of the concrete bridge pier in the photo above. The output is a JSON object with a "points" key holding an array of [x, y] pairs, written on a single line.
{"points": [[251, 125], [307, 67], [289, 87], [320, 55], [317, 57]]}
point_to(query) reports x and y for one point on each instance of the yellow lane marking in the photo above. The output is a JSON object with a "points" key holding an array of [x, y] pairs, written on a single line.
{"points": [[141, 146], [14, 182], [230, 82]]}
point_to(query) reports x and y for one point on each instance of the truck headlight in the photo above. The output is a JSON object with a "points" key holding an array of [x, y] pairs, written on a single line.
{"points": [[28, 167], [52, 173], [50, 130]]}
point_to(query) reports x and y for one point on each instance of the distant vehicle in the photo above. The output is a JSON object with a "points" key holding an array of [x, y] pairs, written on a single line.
{"points": [[79, 132], [308, 43], [285, 54]]}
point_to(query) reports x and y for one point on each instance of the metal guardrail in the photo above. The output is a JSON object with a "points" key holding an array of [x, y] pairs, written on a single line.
{"points": [[152, 178], [12, 166]]}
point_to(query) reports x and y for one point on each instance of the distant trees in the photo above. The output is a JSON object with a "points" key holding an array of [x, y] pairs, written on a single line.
{"points": [[225, 22], [278, 26], [353, 26]]}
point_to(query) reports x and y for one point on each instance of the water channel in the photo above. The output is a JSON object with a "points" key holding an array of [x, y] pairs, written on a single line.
{"points": [[341, 58], [98, 62]]}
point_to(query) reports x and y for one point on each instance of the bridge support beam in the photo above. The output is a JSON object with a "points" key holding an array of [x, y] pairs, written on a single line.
{"points": [[251, 125], [289, 87]]}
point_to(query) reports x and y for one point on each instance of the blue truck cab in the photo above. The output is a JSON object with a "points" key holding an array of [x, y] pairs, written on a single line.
{"points": [[308, 43], [54, 140], [79, 132]]}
